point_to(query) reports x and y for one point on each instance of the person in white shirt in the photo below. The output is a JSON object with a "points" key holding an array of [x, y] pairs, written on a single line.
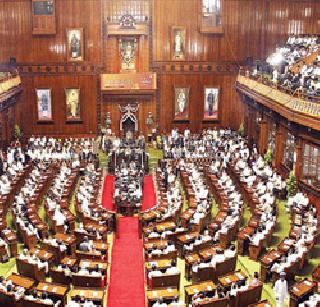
{"points": [[159, 303], [173, 269], [281, 290]]}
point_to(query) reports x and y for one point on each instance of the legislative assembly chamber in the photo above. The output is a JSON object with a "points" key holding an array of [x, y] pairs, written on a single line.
{"points": [[159, 153]]}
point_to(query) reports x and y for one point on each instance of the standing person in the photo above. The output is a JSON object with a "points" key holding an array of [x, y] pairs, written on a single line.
{"points": [[181, 101], [211, 99], [75, 50], [281, 290]]}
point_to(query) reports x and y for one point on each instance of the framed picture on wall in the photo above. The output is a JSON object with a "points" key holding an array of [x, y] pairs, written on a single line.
{"points": [[178, 43], [181, 103], [75, 45], [211, 17], [43, 17], [211, 103], [44, 105], [73, 104]]}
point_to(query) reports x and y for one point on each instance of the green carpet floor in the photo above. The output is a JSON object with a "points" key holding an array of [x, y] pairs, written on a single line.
{"points": [[249, 266], [154, 156], [244, 263]]}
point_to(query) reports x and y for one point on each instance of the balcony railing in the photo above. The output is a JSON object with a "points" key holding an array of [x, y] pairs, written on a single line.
{"points": [[293, 102], [8, 83]]}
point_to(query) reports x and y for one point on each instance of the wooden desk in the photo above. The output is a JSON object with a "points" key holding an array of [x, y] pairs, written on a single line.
{"points": [[10, 237], [58, 276], [21, 281], [212, 302], [55, 291], [69, 262], [189, 261], [87, 281], [208, 253], [94, 295], [227, 280], [246, 297], [266, 263], [99, 246], [42, 254], [185, 239], [301, 289], [160, 227], [160, 244], [30, 270], [91, 265], [205, 286], [94, 254], [243, 239], [165, 280], [264, 303], [68, 240], [161, 264], [166, 294]]}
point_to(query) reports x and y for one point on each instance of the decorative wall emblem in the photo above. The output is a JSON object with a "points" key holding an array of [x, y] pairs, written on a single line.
{"points": [[127, 21], [129, 111]]}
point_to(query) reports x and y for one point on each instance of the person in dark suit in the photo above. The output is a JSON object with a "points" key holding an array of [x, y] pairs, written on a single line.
{"points": [[211, 98]]}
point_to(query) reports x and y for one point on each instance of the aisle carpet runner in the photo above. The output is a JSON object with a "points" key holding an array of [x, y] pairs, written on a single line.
{"points": [[108, 190], [126, 288], [149, 196]]}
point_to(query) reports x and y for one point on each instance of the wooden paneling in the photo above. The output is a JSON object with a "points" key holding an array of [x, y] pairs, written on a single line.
{"points": [[7, 122], [145, 106], [27, 109], [230, 110], [16, 31], [286, 17], [251, 28], [242, 22], [113, 63]]}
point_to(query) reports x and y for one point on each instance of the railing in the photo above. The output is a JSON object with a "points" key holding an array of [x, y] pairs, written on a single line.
{"points": [[296, 67], [266, 79], [296, 104], [9, 82]]}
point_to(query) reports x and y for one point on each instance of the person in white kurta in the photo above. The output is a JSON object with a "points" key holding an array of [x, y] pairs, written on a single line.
{"points": [[281, 290], [59, 217]]}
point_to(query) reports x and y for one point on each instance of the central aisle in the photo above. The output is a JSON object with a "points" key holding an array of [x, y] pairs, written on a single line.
{"points": [[149, 196], [108, 190], [127, 267]]}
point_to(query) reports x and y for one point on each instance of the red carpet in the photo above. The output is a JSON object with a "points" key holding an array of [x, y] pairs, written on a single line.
{"points": [[149, 196], [107, 194], [126, 287]]}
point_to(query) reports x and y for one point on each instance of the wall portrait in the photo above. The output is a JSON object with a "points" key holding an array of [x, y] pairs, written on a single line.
{"points": [[43, 7], [128, 53], [44, 104], [73, 104], [178, 43], [75, 45], [211, 103], [211, 16], [181, 103]]}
